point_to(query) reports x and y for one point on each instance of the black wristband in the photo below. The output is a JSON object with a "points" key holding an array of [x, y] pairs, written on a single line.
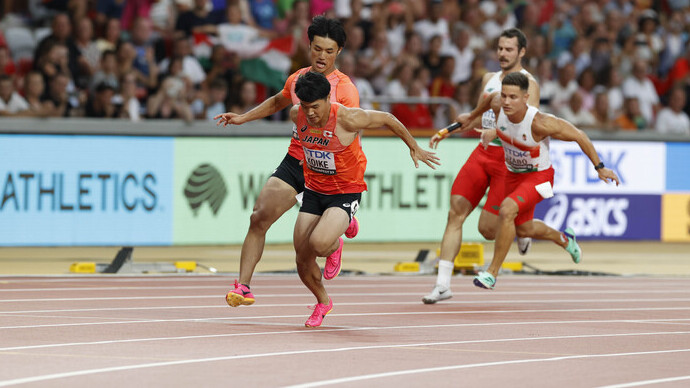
{"points": [[453, 127], [599, 166]]}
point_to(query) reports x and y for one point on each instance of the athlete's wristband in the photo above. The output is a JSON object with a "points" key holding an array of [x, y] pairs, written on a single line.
{"points": [[449, 129], [599, 166]]}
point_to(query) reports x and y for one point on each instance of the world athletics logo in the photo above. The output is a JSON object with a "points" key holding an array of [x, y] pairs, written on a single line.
{"points": [[205, 184]]}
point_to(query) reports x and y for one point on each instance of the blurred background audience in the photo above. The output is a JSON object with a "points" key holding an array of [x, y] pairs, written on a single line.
{"points": [[607, 65]]}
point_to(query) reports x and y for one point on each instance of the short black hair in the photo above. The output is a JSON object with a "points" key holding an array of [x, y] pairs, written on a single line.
{"points": [[312, 86], [517, 79], [515, 33], [327, 28]]}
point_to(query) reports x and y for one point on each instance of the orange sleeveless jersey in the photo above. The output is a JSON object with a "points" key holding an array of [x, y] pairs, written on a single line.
{"points": [[343, 91], [330, 167]]}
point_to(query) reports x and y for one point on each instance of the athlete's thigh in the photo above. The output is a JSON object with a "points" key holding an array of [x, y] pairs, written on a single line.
{"points": [[276, 197], [472, 180], [332, 224]]}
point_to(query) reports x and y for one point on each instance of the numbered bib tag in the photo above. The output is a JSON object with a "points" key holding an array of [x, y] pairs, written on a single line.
{"points": [[320, 161]]}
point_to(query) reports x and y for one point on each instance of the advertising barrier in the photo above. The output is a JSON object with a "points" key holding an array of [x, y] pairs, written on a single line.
{"points": [[130, 190], [85, 190]]}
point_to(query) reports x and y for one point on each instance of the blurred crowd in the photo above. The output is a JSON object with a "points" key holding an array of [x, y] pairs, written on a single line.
{"points": [[607, 64]]}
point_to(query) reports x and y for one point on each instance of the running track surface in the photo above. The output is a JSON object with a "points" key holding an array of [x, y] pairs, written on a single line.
{"points": [[177, 331]]}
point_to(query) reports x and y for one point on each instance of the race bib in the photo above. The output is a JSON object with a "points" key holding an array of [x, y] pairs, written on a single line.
{"points": [[489, 119], [320, 161]]}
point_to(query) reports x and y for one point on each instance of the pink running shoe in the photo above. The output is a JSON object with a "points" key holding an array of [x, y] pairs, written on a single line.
{"points": [[333, 262], [353, 229], [239, 296], [320, 311]]}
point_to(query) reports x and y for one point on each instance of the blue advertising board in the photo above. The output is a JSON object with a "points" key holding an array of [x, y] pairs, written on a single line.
{"points": [[604, 216], [85, 190], [677, 164]]}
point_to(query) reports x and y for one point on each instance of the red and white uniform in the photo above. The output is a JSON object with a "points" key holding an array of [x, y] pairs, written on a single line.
{"points": [[329, 166], [530, 175]]}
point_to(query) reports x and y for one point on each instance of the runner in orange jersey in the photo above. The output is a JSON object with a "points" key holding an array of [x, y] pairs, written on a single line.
{"points": [[279, 194], [334, 168]]}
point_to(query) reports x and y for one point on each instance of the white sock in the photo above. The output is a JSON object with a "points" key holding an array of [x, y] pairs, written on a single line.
{"points": [[445, 271]]}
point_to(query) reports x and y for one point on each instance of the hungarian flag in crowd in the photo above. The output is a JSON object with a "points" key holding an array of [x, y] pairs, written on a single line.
{"points": [[265, 61]]}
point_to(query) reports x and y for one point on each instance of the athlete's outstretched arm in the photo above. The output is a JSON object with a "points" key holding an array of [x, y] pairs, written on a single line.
{"points": [[270, 106], [357, 119], [445, 132], [486, 102], [549, 125]]}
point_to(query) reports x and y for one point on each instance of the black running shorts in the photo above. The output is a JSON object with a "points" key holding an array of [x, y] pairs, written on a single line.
{"points": [[316, 203], [290, 172]]}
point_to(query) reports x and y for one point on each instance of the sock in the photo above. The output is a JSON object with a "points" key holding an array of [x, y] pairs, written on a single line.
{"points": [[246, 285], [445, 271]]}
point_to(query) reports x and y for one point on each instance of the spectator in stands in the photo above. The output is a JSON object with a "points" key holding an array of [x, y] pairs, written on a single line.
{"points": [[61, 28], [587, 82], [111, 36], [218, 93], [170, 102], [675, 38], [144, 47], [131, 107], [578, 54], [126, 55], [565, 87], [34, 87], [631, 119], [413, 115], [11, 103], [548, 87], [672, 119], [100, 105], [639, 86], [402, 76], [247, 98], [223, 65], [603, 119], [575, 112], [62, 98], [380, 61], [502, 19], [54, 61], [434, 24], [432, 58], [264, 13], [355, 41], [412, 50], [88, 55], [602, 50], [107, 73], [191, 67], [7, 66], [463, 54], [355, 68], [647, 42], [107, 10], [614, 92], [201, 19], [133, 10], [465, 103]]}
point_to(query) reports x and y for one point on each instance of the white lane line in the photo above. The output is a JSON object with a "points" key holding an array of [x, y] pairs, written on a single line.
{"points": [[55, 376], [406, 303], [329, 329], [366, 294], [364, 314], [345, 380], [647, 382]]}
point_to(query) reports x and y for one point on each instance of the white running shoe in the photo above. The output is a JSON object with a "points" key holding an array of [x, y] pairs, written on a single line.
{"points": [[524, 244], [437, 294]]}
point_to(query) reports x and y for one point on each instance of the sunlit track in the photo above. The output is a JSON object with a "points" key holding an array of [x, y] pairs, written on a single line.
{"points": [[79, 333]]}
